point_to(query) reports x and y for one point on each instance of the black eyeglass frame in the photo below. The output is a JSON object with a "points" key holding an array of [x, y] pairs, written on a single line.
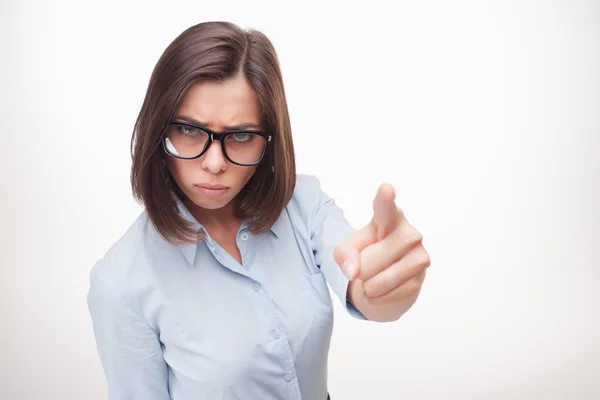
{"points": [[220, 136]]}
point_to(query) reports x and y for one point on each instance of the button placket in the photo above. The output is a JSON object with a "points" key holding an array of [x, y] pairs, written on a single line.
{"points": [[288, 377], [242, 243]]}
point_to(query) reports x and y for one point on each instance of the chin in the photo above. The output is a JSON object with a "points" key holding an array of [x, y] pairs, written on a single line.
{"points": [[209, 203]]}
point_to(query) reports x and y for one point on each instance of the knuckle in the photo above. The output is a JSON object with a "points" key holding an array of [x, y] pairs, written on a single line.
{"points": [[416, 236], [389, 281], [412, 236], [368, 289], [426, 261], [422, 261], [373, 287], [413, 287], [401, 215]]}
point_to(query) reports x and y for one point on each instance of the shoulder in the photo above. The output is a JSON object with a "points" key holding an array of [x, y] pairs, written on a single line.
{"points": [[308, 201], [306, 184], [119, 267], [307, 194]]}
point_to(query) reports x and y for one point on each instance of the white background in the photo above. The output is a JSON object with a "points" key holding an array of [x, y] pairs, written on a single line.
{"points": [[483, 115]]}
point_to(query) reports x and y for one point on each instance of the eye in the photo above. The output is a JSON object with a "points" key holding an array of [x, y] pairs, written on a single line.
{"points": [[242, 137], [187, 130]]}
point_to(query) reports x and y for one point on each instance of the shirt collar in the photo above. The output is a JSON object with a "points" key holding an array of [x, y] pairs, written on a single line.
{"points": [[189, 249], [277, 227]]}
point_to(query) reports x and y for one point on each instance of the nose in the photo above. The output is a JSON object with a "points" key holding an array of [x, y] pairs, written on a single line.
{"points": [[214, 160]]}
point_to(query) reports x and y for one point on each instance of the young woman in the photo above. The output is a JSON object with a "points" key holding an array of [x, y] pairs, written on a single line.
{"points": [[219, 290]]}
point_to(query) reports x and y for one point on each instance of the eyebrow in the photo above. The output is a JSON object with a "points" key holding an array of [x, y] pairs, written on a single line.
{"points": [[190, 120]]}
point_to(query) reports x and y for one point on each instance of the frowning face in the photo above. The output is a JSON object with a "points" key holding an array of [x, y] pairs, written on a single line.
{"points": [[211, 181]]}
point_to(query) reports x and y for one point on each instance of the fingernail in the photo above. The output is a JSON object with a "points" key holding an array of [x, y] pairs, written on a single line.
{"points": [[348, 269]]}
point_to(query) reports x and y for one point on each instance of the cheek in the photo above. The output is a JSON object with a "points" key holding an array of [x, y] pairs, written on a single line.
{"points": [[180, 170], [246, 174]]}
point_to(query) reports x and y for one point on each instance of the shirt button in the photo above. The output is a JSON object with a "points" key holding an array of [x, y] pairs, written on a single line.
{"points": [[244, 236], [275, 334], [256, 286], [287, 377]]}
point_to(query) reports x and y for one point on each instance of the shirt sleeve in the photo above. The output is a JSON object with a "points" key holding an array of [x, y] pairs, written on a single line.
{"points": [[329, 227], [129, 350]]}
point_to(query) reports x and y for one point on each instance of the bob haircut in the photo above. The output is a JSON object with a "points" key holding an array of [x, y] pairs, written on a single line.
{"points": [[213, 51]]}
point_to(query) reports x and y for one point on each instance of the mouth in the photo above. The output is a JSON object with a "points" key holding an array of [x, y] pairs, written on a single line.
{"points": [[209, 186], [212, 190]]}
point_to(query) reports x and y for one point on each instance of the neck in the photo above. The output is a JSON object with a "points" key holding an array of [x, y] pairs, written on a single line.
{"points": [[221, 220]]}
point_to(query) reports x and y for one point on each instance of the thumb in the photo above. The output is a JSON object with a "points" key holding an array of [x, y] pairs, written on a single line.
{"points": [[347, 253]]}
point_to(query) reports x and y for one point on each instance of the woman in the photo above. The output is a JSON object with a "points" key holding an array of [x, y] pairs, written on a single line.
{"points": [[219, 289]]}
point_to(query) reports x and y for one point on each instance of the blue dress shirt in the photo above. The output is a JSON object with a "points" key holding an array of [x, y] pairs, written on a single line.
{"points": [[190, 322]]}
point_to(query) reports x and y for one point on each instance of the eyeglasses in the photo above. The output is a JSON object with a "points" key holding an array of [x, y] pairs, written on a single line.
{"points": [[241, 147]]}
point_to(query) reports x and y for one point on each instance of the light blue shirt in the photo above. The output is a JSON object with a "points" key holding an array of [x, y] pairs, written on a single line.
{"points": [[191, 322]]}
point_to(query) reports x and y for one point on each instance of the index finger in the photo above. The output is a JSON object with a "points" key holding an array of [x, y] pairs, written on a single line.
{"points": [[386, 214]]}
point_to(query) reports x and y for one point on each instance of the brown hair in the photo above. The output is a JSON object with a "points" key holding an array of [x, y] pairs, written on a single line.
{"points": [[213, 51]]}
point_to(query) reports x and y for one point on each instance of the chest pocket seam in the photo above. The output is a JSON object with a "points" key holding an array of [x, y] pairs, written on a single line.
{"points": [[307, 254], [319, 298]]}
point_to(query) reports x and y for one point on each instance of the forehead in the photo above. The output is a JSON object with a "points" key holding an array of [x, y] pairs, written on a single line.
{"points": [[221, 103]]}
